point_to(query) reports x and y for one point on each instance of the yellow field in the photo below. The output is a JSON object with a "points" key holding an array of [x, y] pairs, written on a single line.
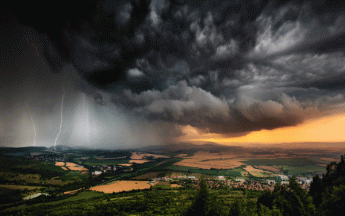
{"points": [[207, 160], [138, 161], [75, 167], [59, 163], [270, 168], [71, 192], [125, 164], [255, 172], [64, 168], [119, 186], [175, 185]]}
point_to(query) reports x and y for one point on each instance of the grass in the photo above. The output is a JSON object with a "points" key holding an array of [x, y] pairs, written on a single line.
{"points": [[237, 172], [95, 162], [305, 170], [295, 162], [20, 187], [161, 186], [80, 196]]}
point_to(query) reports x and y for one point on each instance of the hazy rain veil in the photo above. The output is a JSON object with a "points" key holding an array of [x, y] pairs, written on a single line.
{"points": [[227, 67]]}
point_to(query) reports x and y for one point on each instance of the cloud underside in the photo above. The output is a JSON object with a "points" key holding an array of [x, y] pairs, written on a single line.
{"points": [[222, 67]]}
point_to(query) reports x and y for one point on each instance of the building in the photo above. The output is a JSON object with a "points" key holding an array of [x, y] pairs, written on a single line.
{"points": [[283, 177], [96, 173], [284, 182], [221, 177], [271, 182]]}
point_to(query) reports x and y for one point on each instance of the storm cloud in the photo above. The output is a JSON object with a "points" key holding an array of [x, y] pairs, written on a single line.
{"points": [[227, 67]]}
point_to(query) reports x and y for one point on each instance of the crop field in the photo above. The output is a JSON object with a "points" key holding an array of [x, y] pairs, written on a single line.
{"points": [[296, 162], [268, 168], [308, 170], [207, 160], [139, 161], [237, 172], [81, 196], [257, 172], [76, 167], [120, 186], [128, 164], [147, 176], [20, 187], [140, 156], [59, 163], [175, 185], [96, 162]]}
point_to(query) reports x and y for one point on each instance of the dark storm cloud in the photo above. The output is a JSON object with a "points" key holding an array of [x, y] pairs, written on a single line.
{"points": [[228, 67]]}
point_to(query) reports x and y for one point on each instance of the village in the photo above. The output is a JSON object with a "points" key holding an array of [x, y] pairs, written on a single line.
{"points": [[250, 184]]}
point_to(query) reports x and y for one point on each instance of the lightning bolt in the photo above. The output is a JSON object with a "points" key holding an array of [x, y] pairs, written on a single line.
{"points": [[63, 95], [33, 123], [34, 47]]}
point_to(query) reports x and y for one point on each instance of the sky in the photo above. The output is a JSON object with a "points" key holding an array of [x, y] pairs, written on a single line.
{"points": [[125, 74]]}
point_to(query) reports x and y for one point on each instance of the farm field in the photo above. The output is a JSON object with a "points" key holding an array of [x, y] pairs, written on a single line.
{"points": [[97, 162], [257, 172], [147, 176], [141, 161], [76, 167], [237, 172], [120, 186], [21, 187], [140, 156], [207, 160]]}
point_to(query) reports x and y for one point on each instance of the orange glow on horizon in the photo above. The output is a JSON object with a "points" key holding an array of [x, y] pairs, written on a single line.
{"points": [[326, 129]]}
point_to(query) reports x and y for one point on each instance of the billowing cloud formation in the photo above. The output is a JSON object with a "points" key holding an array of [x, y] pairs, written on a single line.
{"points": [[194, 106], [226, 67]]}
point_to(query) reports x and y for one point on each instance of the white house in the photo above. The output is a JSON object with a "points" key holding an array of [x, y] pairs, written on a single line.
{"points": [[283, 177], [96, 173]]}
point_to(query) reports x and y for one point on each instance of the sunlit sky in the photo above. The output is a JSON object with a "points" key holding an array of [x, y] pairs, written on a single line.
{"points": [[326, 129]]}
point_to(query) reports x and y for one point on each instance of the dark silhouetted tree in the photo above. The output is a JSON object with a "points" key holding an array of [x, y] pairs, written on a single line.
{"points": [[201, 204], [290, 200]]}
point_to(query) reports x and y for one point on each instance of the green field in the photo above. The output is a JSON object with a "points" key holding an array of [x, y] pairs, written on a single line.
{"points": [[95, 162], [80, 196], [305, 170], [20, 187], [295, 162], [214, 172]]}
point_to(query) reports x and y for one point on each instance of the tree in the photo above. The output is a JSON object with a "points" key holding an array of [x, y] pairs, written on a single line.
{"points": [[324, 190], [201, 204], [315, 190], [290, 200]]}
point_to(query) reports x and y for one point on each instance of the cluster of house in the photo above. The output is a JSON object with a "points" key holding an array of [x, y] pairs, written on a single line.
{"points": [[241, 183], [108, 168], [167, 178], [43, 157], [255, 185]]}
